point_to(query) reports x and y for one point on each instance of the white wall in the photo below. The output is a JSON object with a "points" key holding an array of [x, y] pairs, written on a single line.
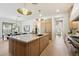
{"points": [[27, 22], [30, 22], [53, 28], [0, 30], [66, 23]]}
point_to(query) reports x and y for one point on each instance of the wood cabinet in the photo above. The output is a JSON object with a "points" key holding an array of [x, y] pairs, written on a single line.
{"points": [[18, 48], [32, 48], [74, 25], [11, 47], [43, 43], [46, 27]]}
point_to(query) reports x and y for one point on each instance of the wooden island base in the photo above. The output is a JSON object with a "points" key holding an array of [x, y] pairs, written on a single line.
{"points": [[31, 48]]}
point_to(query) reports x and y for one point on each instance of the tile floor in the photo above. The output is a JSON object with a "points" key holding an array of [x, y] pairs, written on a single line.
{"points": [[56, 47]]}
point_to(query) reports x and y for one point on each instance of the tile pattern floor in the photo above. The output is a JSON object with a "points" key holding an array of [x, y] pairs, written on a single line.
{"points": [[56, 47]]}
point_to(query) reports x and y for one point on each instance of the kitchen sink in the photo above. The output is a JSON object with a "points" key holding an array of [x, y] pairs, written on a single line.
{"points": [[39, 34]]}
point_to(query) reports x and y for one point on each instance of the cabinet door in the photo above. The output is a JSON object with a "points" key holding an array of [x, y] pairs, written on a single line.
{"points": [[34, 48], [43, 43], [43, 28], [11, 47], [48, 27], [19, 48], [50, 36], [47, 40]]}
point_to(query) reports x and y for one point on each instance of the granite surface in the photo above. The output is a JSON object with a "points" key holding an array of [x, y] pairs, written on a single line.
{"points": [[27, 37], [74, 41]]}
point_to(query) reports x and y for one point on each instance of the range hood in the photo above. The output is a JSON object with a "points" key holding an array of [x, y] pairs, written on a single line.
{"points": [[76, 19]]}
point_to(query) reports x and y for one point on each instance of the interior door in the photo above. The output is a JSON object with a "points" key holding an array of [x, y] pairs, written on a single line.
{"points": [[59, 27]]}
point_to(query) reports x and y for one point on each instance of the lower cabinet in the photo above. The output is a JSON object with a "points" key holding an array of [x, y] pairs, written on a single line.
{"points": [[17, 48], [11, 47], [50, 36], [33, 48], [44, 41]]}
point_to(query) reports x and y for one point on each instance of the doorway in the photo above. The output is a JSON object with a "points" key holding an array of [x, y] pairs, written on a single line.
{"points": [[59, 27]]}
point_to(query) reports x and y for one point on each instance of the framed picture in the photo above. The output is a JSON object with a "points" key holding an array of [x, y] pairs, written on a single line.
{"points": [[27, 28]]}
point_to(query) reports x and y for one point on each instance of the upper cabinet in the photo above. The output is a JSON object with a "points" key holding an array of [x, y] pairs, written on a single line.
{"points": [[74, 12]]}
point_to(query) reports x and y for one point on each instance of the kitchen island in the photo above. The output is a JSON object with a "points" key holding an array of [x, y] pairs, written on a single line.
{"points": [[28, 44]]}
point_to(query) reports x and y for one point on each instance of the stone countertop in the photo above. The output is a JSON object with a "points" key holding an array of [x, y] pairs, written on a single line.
{"points": [[74, 37], [27, 37], [74, 41]]}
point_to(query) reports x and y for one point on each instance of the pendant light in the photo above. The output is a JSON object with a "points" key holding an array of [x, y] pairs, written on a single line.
{"points": [[24, 11], [40, 15]]}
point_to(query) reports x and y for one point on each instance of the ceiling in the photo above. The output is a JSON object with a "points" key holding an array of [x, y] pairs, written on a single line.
{"points": [[8, 10]]}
